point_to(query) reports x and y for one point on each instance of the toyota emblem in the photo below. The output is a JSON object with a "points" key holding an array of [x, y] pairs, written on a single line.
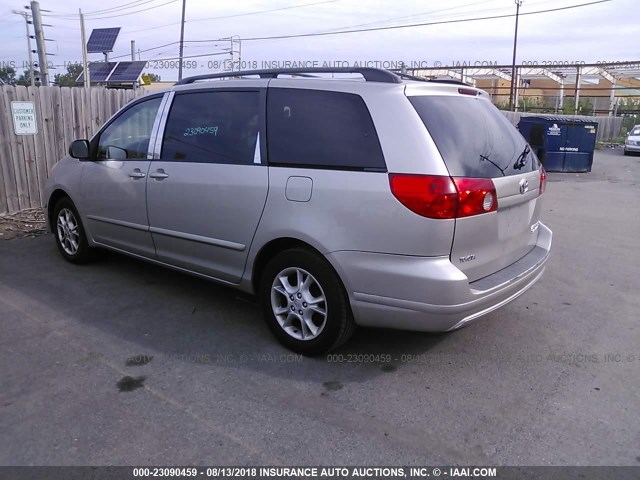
{"points": [[524, 185]]}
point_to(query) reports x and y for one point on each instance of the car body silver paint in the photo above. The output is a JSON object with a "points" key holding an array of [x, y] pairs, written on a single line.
{"points": [[396, 266], [632, 142]]}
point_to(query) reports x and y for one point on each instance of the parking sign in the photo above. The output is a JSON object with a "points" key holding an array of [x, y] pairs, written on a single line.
{"points": [[24, 118]]}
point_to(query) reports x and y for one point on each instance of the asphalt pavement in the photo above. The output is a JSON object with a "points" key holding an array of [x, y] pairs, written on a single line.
{"points": [[125, 363]]}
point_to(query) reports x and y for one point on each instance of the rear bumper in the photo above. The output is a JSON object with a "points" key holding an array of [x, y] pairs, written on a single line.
{"points": [[430, 293]]}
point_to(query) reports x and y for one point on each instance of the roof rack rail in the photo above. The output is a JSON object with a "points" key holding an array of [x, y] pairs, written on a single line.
{"points": [[369, 74], [411, 77], [425, 79], [444, 80]]}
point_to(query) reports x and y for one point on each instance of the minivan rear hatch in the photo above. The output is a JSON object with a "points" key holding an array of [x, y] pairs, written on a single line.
{"points": [[477, 141]]}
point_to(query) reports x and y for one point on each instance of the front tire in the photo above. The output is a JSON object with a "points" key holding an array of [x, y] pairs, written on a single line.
{"points": [[304, 303], [68, 230]]}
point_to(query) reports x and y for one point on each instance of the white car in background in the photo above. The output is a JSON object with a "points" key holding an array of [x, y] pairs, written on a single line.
{"points": [[632, 143]]}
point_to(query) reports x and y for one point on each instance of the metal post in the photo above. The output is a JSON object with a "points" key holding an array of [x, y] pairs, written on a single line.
{"points": [[513, 63], [42, 51], [516, 91], [85, 65], [577, 89], [184, 6], [612, 98], [133, 50], [26, 22]]}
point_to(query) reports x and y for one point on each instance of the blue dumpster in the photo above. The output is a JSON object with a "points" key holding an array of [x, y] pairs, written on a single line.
{"points": [[563, 144]]}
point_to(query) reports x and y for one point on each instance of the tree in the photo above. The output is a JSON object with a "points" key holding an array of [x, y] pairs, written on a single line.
{"points": [[25, 78], [68, 79], [527, 103], [585, 107], [153, 78], [8, 75]]}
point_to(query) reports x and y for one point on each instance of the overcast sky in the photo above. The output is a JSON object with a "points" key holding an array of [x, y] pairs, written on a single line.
{"points": [[603, 32]]}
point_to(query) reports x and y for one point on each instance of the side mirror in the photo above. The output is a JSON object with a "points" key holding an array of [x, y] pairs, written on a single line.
{"points": [[116, 153], [79, 149]]}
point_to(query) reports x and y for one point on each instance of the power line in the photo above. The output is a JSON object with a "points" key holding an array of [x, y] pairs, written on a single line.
{"points": [[412, 25], [136, 11], [136, 3], [147, 50], [393, 27], [123, 14], [235, 15], [125, 6], [377, 22], [168, 45], [263, 11]]}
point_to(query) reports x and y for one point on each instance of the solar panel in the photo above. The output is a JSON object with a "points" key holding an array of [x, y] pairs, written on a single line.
{"points": [[102, 40], [127, 72], [98, 72]]}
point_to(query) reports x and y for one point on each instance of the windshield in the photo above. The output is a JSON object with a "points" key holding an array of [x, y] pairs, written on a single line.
{"points": [[474, 138], [635, 131]]}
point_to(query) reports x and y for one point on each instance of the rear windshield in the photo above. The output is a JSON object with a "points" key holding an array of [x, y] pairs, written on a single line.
{"points": [[474, 138]]}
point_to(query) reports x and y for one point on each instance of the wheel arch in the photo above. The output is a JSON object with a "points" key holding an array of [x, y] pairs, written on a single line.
{"points": [[54, 198], [270, 250]]}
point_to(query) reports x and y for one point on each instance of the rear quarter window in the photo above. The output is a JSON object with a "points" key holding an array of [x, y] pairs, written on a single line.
{"points": [[474, 138], [312, 128]]}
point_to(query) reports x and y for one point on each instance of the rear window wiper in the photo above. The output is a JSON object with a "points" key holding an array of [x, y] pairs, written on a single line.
{"points": [[522, 158], [487, 159]]}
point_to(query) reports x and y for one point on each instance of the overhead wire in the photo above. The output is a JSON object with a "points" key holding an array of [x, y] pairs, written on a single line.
{"points": [[75, 17], [124, 6], [423, 24]]}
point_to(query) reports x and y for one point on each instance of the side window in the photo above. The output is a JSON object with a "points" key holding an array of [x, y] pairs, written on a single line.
{"points": [[212, 127], [127, 137], [321, 129]]}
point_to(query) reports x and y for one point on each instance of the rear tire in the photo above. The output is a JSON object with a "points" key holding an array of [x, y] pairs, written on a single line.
{"points": [[304, 302], [68, 230]]}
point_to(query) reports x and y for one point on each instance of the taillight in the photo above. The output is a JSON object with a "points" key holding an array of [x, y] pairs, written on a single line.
{"points": [[427, 195], [467, 91], [436, 196], [477, 195], [543, 179]]}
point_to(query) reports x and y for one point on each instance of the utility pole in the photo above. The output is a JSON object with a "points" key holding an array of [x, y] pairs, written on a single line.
{"points": [[39, 34], [184, 6], [85, 65], [26, 21], [513, 63], [133, 50]]}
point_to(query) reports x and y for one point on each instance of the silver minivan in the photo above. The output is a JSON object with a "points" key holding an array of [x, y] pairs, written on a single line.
{"points": [[370, 198]]}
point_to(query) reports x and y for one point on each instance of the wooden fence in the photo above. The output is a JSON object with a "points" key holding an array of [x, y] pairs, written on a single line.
{"points": [[62, 115]]}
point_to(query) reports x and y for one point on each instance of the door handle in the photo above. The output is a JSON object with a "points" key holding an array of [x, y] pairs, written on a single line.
{"points": [[136, 173], [158, 174]]}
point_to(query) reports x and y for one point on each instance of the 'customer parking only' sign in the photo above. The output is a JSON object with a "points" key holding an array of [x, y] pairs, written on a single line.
{"points": [[24, 118]]}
